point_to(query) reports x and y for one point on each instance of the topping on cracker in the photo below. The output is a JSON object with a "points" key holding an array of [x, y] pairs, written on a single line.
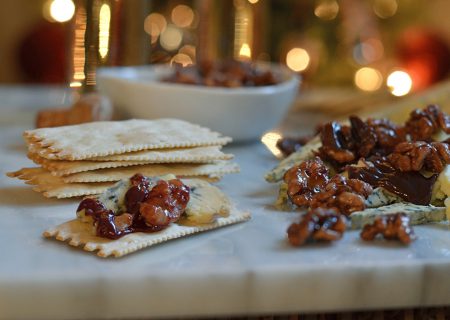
{"points": [[142, 211]]}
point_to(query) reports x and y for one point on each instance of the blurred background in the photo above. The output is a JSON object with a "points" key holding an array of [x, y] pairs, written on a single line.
{"points": [[380, 46]]}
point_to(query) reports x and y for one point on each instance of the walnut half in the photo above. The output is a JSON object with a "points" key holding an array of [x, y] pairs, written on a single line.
{"points": [[317, 224], [392, 226]]}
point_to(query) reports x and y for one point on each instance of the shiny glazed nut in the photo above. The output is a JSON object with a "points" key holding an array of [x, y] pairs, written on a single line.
{"points": [[305, 180], [365, 138], [422, 124], [335, 143], [165, 203], [388, 134], [342, 194], [392, 227], [290, 145], [415, 156], [318, 224]]}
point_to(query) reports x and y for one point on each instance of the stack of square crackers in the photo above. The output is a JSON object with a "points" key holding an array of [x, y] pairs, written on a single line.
{"points": [[87, 159]]}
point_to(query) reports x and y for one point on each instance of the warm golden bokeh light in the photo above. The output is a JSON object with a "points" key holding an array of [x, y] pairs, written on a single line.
{"points": [[368, 79], [79, 50], [270, 141], [188, 50], [103, 33], [171, 38], [155, 24], [399, 83], [385, 8], [297, 59], [182, 59], [182, 16], [253, 1], [75, 84], [59, 10], [327, 9], [245, 51]]}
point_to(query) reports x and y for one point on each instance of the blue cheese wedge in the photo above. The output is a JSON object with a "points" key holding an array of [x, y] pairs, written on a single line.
{"points": [[283, 202], [417, 214], [305, 153], [381, 197]]}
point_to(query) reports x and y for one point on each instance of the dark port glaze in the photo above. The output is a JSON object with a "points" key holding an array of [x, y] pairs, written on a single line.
{"points": [[410, 186], [167, 201]]}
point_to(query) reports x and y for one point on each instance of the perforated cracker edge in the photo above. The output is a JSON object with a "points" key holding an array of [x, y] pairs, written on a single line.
{"points": [[77, 233]]}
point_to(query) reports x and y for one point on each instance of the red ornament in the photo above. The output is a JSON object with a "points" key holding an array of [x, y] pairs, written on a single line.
{"points": [[42, 54], [424, 55]]}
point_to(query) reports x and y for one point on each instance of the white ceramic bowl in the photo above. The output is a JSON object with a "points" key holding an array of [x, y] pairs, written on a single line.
{"points": [[242, 113]]}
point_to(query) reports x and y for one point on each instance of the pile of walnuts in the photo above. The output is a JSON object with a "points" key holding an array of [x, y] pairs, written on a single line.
{"points": [[330, 199]]}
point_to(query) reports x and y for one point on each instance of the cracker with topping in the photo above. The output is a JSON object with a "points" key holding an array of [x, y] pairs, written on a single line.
{"points": [[139, 212]]}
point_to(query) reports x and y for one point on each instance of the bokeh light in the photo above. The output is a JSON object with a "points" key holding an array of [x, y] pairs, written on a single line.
{"points": [[297, 59], [385, 8], [368, 51], [399, 83], [155, 24], [245, 51], [182, 16], [327, 9], [171, 38], [189, 50], [59, 10], [368, 79], [253, 1], [103, 33], [269, 139], [182, 59]]}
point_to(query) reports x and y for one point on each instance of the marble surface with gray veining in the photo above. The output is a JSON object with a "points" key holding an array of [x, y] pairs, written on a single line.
{"points": [[242, 269]]}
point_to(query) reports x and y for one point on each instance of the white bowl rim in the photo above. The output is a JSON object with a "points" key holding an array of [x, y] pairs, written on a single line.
{"points": [[119, 74]]}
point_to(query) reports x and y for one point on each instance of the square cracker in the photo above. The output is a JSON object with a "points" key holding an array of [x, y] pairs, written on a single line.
{"points": [[216, 169], [64, 167], [185, 155], [52, 186], [104, 138], [178, 155], [78, 233]]}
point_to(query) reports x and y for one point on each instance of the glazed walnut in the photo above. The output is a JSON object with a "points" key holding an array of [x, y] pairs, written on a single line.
{"points": [[415, 156], [289, 145], [388, 134], [165, 203], [336, 143], [392, 227], [318, 224], [422, 124], [364, 137], [305, 180], [310, 185], [342, 194]]}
